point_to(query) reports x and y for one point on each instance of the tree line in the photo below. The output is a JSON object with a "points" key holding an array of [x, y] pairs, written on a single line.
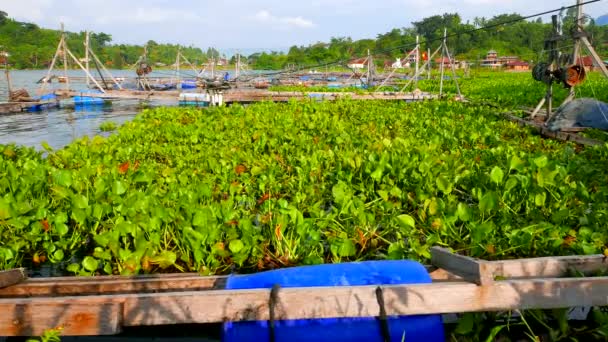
{"points": [[33, 47]]}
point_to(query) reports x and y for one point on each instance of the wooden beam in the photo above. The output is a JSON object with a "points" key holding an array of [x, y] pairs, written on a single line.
{"points": [[12, 277], [549, 266], [80, 286], [470, 269], [103, 285], [81, 319], [31, 315]]}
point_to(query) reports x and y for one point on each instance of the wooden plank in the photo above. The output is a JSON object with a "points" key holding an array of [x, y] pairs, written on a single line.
{"points": [[12, 277], [551, 267], [470, 269], [80, 319], [99, 285], [250, 96], [298, 303], [80, 286]]}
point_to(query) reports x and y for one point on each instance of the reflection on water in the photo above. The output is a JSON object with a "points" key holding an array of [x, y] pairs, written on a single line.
{"points": [[59, 127]]}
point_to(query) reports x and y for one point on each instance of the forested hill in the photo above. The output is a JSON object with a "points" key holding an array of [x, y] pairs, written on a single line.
{"points": [[524, 39], [33, 47]]}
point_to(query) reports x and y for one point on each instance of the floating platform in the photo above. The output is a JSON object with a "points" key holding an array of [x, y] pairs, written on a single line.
{"points": [[103, 305], [250, 96], [570, 134], [18, 107]]}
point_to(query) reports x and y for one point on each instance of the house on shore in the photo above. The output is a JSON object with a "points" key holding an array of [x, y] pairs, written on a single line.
{"points": [[517, 66], [493, 61], [358, 63]]}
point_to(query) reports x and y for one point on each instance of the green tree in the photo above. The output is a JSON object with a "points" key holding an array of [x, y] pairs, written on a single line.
{"points": [[117, 60]]}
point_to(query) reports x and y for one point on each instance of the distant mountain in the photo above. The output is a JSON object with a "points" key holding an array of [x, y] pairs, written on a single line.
{"points": [[601, 21]]}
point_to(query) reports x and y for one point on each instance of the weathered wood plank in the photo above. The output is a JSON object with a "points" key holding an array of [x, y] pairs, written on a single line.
{"points": [[470, 269], [550, 267], [564, 135], [298, 303], [75, 319], [99, 285], [111, 285], [251, 95], [12, 277]]}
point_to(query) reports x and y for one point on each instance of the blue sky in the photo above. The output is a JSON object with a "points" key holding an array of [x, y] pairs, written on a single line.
{"points": [[247, 24]]}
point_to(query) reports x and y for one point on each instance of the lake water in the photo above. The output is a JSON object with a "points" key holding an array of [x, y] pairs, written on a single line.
{"points": [[58, 127]]}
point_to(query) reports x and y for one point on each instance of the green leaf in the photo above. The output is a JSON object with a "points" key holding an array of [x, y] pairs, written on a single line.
{"points": [[406, 221], [61, 229], [541, 161], [347, 248], [90, 264], [165, 259], [341, 192], [383, 194], [516, 164], [80, 202], [489, 201], [466, 323], [464, 212], [74, 268], [236, 246], [377, 175], [119, 188], [494, 332], [497, 175], [540, 199], [199, 219], [63, 178], [443, 184], [58, 255], [5, 209], [45, 145]]}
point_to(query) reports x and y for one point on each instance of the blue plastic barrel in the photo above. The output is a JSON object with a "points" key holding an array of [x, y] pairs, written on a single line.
{"points": [[83, 99], [427, 328]]}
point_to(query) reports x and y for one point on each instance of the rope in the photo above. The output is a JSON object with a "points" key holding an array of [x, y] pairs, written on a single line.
{"points": [[386, 333], [272, 303]]}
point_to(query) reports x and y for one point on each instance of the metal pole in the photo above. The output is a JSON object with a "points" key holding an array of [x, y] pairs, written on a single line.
{"points": [[65, 59], [417, 61]]}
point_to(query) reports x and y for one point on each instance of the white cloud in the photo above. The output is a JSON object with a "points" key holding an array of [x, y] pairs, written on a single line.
{"points": [[265, 16], [148, 15], [26, 10]]}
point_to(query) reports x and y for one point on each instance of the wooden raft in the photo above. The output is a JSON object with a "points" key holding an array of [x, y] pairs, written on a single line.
{"points": [[248, 96], [104, 305], [563, 135]]}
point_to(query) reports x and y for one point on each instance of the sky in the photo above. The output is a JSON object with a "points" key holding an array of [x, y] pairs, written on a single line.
{"points": [[257, 24]]}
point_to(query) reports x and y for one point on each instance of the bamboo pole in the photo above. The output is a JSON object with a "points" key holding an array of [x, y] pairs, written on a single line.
{"points": [[48, 74], [423, 66], [104, 68], [83, 68], [417, 60], [428, 56], [445, 32], [8, 76], [65, 59], [447, 50], [86, 54]]}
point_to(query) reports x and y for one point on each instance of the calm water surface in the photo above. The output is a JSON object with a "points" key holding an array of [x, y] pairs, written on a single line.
{"points": [[59, 127]]}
